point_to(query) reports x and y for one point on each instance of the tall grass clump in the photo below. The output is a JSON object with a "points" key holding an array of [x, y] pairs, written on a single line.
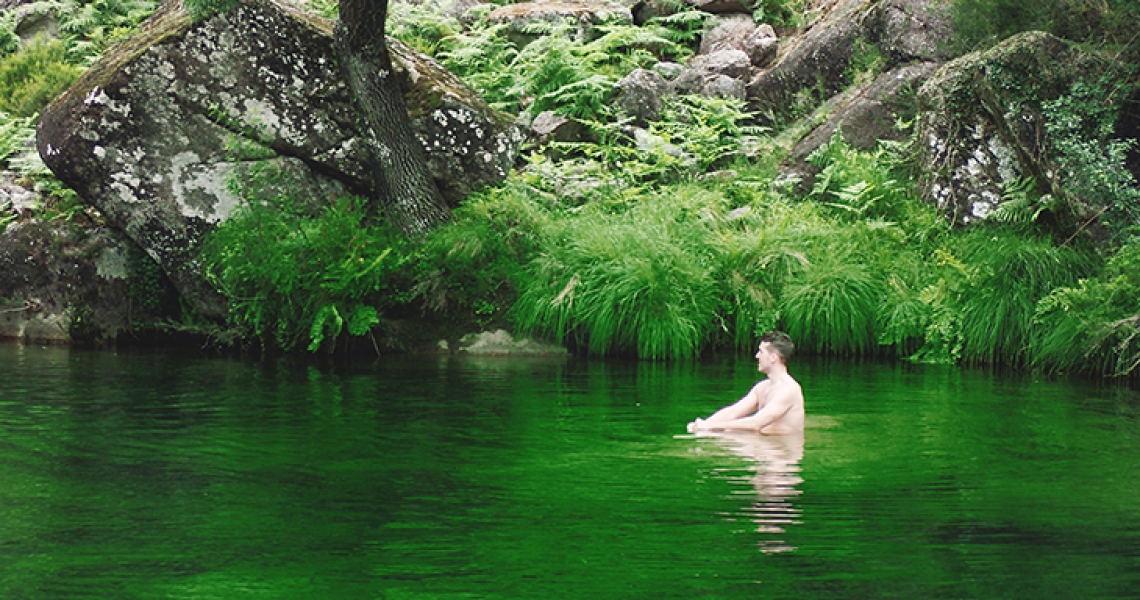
{"points": [[635, 283], [295, 279], [832, 306], [986, 297], [757, 259], [1094, 325]]}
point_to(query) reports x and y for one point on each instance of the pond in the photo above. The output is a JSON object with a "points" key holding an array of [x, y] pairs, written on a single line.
{"points": [[168, 475]]}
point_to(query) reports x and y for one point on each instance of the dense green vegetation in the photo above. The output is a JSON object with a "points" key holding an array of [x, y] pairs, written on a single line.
{"points": [[681, 241]]}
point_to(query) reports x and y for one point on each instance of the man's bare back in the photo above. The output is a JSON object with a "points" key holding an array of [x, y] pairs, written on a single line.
{"points": [[775, 406]]}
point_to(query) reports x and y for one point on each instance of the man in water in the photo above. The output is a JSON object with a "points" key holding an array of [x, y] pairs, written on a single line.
{"points": [[775, 406]]}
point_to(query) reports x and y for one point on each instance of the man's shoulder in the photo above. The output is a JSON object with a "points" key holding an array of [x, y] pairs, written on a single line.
{"points": [[790, 386]]}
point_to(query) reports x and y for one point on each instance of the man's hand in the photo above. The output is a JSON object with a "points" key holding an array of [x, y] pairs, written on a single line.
{"points": [[695, 425]]}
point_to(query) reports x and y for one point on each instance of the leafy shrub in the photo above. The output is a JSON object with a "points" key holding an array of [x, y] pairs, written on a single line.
{"points": [[982, 23], [201, 10], [1092, 164], [473, 265], [293, 278], [984, 301], [9, 41], [1093, 326], [34, 76]]}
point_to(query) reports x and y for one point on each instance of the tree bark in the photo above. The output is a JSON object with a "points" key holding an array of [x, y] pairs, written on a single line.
{"points": [[400, 178]]}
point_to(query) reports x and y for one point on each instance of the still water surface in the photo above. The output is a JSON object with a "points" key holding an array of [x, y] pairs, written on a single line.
{"points": [[164, 476]]}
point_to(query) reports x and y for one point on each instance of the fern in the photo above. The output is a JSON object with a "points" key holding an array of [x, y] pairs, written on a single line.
{"points": [[15, 133]]}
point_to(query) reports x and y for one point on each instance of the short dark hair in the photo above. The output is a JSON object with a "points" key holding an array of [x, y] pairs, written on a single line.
{"points": [[781, 343]]}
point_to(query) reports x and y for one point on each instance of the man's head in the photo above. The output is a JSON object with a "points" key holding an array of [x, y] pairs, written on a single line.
{"points": [[779, 344]]}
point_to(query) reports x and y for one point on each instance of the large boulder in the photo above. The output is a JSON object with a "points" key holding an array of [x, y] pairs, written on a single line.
{"points": [[864, 115], [816, 60], [981, 125], [819, 60], [159, 131]]}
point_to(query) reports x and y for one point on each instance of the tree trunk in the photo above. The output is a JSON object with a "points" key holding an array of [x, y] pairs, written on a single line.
{"points": [[400, 178]]}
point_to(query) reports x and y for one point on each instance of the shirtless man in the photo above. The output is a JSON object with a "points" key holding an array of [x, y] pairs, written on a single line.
{"points": [[775, 406]]}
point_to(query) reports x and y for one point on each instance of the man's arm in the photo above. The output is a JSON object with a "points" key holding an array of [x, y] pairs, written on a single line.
{"points": [[776, 407], [739, 409]]}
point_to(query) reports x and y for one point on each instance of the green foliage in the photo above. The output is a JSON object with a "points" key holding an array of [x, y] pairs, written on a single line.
{"points": [[1022, 205], [696, 135], [982, 23], [293, 278], [473, 265], [33, 76], [684, 26], [554, 72], [779, 13], [860, 183], [9, 41], [1093, 326], [985, 298], [757, 258], [867, 62], [201, 10], [832, 308], [1092, 163], [93, 26], [15, 132], [638, 282], [419, 26]]}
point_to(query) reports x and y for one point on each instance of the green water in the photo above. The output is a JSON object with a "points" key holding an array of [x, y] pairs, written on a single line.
{"points": [[166, 476]]}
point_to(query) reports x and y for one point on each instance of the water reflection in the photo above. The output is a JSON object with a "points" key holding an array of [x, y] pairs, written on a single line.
{"points": [[774, 476]]}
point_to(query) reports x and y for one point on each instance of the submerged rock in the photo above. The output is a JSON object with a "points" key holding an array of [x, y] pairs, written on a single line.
{"points": [[502, 343], [157, 134]]}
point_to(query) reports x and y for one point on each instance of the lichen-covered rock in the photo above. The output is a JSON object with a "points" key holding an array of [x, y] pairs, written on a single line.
{"points": [[981, 123], [740, 32], [866, 115], [640, 95], [909, 30], [155, 134], [706, 69], [549, 126], [61, 283], [816, 60]]}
